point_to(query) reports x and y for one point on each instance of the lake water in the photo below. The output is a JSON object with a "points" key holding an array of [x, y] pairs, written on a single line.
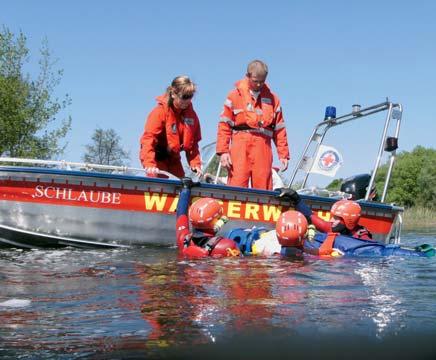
{"points": [[147, 303]]}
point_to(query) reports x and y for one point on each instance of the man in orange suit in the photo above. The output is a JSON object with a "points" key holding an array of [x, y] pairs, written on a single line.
{"points": [[251, 118]]}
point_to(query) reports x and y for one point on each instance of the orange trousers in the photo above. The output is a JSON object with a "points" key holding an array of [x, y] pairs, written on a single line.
{"points": [[251, 156]]}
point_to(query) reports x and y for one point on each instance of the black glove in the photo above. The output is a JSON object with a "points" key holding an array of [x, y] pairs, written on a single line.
{"points": [[187, 183], [289, 195]]}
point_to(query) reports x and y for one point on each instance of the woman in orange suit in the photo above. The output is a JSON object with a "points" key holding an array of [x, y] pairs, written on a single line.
{"points": [[172, 127]]}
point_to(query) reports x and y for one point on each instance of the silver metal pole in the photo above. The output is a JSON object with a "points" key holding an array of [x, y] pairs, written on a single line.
{"points": [[302, 157], [334, 122], [380, 152], [315, 153], [217, 173], [393, 156]]}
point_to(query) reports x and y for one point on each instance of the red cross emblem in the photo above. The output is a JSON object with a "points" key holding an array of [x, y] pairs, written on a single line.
{"points": [[328, 160]]}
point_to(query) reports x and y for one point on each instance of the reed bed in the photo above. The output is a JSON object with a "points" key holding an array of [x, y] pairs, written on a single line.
{"points": [[419, 217]]}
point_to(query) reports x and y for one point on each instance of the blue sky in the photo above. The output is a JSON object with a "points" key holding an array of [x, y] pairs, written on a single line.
{"points": [[118, 56]]}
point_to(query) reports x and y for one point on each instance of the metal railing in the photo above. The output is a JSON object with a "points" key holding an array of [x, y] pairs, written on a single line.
{"points": [[320, 130], [69, 165]]}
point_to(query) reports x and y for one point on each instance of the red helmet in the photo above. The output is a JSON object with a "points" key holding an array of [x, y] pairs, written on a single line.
{"points": [[225, 247], [291, 228], [204, 213], [347, 210]]}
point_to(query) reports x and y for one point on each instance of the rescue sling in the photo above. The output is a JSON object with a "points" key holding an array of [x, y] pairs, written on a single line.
{"points": [[245, 238]]}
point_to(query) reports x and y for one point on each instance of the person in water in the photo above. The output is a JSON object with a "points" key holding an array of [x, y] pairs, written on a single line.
{"points": [[286, 239], [292, 237], [206, 218], [343, 236], [345, 216]]}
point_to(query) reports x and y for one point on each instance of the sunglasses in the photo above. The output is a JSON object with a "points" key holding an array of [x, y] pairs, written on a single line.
{"points": [[185, 96]]}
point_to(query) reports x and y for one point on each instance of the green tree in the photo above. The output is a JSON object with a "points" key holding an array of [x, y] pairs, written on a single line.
{"points": [[213, 167], [28, 108], [106, 149], [413, 179], [335, 184], [426, 182]]}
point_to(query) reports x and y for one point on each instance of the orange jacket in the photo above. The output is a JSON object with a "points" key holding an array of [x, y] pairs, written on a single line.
{"points": [[263, 115], [168, 132]]}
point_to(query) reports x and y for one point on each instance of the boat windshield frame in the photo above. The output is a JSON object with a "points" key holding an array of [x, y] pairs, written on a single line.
{"points": [[394, 112]]}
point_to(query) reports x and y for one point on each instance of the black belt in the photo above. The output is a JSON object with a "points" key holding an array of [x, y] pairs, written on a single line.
{"points": [[246, 127]]}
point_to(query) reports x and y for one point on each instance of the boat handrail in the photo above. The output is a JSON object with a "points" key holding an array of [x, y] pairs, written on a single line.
{"points": [[324, 193], [69, 165], [318, 134]]}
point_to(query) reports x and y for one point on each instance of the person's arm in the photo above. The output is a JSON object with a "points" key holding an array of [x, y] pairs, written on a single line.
{"points": [[182, 220], [182, 224], [193, 156], [194, 160], [154, 126], [320, 224], [280, 137], [363, 233], [227, 120], [297, 202]]}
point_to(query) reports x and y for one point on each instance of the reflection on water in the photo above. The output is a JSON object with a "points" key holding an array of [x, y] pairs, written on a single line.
{"points": [[75, 303], [384, 305]]}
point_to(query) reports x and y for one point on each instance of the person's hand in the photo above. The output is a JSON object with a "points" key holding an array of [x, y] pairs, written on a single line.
{"points": [[198, 171], [290, 195], [284, 164], [209, 178], [220, 223], [226, 161], [151, 170], [311, 232]]}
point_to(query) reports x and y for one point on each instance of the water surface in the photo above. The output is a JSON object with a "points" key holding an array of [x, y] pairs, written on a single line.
{"points": [[147, 303]]}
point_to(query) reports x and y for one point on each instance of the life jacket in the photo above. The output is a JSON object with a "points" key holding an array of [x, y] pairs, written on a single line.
{"points": [[190, 127], [199, 244], [361, 233], [242, 113], [252, 113]]}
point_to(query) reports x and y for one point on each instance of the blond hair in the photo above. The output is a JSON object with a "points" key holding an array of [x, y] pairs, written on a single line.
{"points": [[257, 67], [181, 85]]}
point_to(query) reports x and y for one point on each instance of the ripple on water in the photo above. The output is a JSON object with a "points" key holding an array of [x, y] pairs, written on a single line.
{"points": [[15, 303], [86, 302]]}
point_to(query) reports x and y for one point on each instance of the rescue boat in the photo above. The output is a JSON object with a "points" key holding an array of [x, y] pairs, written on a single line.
{"points": [[57, 203]]}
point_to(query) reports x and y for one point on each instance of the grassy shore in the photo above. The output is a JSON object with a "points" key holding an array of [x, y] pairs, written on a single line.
{"points": [[418, 218]]}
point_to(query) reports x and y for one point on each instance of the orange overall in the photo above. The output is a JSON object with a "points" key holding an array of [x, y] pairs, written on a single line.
{"points": [[167, 133], [246, 128]]}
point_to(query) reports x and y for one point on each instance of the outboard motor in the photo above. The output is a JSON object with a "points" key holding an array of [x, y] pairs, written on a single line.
{"points": [[357, 186]]}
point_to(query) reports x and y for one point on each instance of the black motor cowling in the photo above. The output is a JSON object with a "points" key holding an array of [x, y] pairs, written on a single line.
{"points": [[357, 186]]}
